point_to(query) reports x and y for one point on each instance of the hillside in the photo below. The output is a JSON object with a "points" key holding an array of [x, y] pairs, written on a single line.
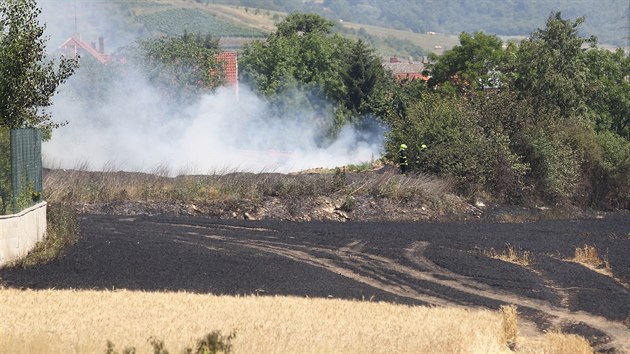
{"points": [[123, 22], [606, 19], [404, 28]]}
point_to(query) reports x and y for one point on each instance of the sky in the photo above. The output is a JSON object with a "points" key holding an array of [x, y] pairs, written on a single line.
{"points": [[131, 129]]}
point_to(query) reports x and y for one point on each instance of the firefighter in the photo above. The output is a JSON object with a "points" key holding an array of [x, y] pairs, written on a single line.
{"points": [[419, 156], [402, 159]]}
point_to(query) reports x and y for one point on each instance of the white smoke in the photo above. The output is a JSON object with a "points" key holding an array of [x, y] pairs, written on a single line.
{"points": [[131, 129]]}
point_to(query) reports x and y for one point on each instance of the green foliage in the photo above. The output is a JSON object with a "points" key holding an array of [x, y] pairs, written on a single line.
{"points": [[302, 68], [472, 65], [303, 24], [299, 72], [176, 21], [550, 67], [609, 93], [362, 76], [612, 185], [183, 67], [28, 81], [457, 147]]}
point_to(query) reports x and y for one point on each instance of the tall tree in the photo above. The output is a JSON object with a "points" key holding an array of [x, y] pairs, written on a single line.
{"points": [[473, 64], [28, 80], [550, 66], [298, 69], [300, 23], [609, 94], [362, 75], [334, 76]]}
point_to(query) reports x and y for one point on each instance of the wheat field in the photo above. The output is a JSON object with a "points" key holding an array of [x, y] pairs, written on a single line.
{"points": [[69, 321]]}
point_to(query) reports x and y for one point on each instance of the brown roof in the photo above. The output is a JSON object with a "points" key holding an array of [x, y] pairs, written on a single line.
{"points": [[72, 46], [404, 67]]}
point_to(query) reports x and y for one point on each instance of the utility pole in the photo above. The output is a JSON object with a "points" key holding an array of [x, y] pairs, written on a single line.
{"points": [[76, 31]]}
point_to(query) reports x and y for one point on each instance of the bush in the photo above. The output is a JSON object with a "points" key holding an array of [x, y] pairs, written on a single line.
{"points": [[467, 142], [612, 184]]}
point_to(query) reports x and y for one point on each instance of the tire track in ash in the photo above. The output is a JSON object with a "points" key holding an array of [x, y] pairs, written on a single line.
{"points": [[355, 262]]}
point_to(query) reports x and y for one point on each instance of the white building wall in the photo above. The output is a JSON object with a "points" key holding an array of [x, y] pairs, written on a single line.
{"points": [[20, 232]]}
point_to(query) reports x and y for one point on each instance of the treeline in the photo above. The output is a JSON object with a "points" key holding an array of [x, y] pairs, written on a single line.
{"points": [[544, 120], [607, 19]]}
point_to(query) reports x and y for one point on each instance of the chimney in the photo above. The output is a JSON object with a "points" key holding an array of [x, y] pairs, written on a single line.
{"points": [[101, 45]]}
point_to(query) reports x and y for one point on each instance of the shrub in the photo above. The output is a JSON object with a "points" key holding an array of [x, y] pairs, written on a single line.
{"points": [[611, 184]]}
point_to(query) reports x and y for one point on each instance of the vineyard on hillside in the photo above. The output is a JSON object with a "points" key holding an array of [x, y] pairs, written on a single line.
{"points": [[174, 21]]}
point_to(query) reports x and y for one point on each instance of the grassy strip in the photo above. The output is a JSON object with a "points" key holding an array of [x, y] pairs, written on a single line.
{"points": [[83, 186]]}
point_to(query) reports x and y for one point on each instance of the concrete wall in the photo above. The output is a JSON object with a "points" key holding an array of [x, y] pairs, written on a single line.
{"points": [[20, 232]]}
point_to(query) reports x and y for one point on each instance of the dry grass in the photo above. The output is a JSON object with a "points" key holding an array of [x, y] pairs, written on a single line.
{"points": [[66, 321], [509, 325], [554, 342], [80, 185], [511, 255], [589, 257]]}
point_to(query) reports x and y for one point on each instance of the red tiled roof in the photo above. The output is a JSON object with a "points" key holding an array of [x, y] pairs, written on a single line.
{"points": [[229, 60], [72, 45], [405, 69]]}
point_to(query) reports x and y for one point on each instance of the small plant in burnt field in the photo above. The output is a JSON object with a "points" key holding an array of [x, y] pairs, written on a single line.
{"points": [[589, 256], [512, 255]]}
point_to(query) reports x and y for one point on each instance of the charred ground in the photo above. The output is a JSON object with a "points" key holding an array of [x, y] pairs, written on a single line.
{"points": [[401, 251]]}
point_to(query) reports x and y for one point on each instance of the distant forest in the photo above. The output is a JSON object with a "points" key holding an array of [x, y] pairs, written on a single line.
{"points": [[609, 20]]}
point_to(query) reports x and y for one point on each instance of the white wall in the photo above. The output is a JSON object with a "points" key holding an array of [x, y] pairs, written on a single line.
{"points": [[20, 232]]}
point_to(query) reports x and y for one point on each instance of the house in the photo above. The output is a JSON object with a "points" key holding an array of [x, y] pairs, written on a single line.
{"points": [[74, 46], [406, 69]]}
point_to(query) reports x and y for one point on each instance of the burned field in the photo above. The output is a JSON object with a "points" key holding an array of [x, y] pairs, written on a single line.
{"points": [[534, 265]]}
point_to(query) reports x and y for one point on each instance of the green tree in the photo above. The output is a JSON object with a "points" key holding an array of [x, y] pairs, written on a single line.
{"points": [[183, 67], [550, 66], [27, 79], [304, 65], [474, 64], [609, 94], [300, 23], [362, 76], [300, 71]]}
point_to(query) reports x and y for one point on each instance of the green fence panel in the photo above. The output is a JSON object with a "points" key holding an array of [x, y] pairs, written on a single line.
{"points": [[26, 168], [6, 191]]}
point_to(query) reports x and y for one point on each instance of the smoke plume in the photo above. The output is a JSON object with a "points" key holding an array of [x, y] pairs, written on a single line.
{"points": [[131, 128]]}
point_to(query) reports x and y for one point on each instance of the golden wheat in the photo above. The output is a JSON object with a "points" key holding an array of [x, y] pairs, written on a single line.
{"points": [[67, 321]]}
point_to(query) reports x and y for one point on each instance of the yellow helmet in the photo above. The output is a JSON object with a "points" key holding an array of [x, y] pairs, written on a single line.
{"points": [[403, 146], [423, 147]]}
